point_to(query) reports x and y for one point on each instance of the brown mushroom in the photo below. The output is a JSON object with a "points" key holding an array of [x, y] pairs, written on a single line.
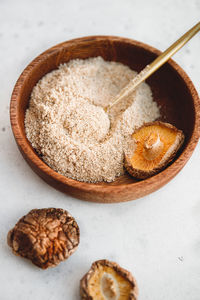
{"points": [[45, 236], [108, 281], [155, 145]]}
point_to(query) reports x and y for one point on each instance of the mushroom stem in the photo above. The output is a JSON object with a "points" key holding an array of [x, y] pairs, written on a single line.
{"points": [[152, 146], [109, 287]]}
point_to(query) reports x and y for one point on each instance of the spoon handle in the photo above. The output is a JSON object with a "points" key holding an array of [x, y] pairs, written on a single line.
{"points": [[156, 64]]}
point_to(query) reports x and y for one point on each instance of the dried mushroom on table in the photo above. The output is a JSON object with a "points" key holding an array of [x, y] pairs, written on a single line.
{"points": [[153, 146], [45, 236], [108, 281]]}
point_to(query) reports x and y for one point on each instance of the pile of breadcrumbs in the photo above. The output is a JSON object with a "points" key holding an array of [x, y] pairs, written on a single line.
{"points": [[67, 125]]}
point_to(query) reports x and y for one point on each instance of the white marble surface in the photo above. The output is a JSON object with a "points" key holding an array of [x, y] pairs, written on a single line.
{"points": [[157, 237]]}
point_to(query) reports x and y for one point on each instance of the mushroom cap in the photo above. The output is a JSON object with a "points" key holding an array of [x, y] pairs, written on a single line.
{"points": [[108, 281], [45, 236], [156, 144]]}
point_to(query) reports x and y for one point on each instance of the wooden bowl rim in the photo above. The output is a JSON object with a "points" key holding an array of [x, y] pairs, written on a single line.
{"points": [[29, 152]]}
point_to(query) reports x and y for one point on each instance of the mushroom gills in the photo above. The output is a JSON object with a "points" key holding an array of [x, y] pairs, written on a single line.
{"points": [[156, 144], [106, 284]]}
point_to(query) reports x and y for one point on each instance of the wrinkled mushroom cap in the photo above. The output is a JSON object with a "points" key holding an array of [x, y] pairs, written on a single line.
{"points": [[45, 236], [156, 144], [108, 281]]}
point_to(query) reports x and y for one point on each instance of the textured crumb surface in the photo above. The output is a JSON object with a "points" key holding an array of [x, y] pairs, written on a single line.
{"points": [[67, 125]]}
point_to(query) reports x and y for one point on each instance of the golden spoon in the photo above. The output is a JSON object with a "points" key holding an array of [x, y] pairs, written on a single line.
{"points": [[155, 65]]}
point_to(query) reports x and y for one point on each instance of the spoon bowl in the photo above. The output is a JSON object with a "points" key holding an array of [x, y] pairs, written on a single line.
{"points": [[172, 90]]}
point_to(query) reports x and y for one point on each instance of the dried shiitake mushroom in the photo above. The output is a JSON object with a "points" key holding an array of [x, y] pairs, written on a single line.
{"points": [[108, 281], [45, 236], [155, 145]]}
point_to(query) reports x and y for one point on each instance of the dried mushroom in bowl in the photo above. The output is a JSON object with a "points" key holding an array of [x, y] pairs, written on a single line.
{"points": [[153, 147], [106, 280], [45, 236]]}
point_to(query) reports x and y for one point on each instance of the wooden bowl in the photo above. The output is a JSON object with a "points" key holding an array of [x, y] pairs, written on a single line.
{"points": [[172, 90]]}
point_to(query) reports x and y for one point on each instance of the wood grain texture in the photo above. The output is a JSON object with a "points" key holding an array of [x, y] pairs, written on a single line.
{"points": [[172, 90]]}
